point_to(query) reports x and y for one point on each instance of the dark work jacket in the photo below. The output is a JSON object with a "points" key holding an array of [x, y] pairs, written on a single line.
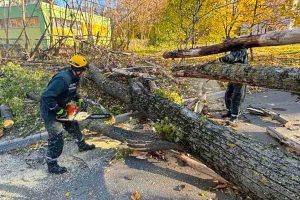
{"points": [[61, 89], [237, 56]]}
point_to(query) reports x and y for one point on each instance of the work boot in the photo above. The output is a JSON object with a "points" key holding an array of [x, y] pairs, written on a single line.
{"points": [[233, 121], [54, 168], [227, 115], [85, 147]]}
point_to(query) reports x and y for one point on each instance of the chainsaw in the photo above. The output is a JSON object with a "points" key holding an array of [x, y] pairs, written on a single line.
{"points": [[75, 113]]}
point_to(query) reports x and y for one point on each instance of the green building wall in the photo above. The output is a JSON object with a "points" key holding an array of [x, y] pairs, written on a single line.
{"points": [[33, 32], [101, 25]]}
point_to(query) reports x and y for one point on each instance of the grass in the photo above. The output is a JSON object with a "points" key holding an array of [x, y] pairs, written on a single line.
{"points": [[288, 55]]}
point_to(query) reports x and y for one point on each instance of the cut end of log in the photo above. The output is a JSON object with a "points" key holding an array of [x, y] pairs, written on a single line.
{"points": [[8, 123], [288, 124], [170, 54]]}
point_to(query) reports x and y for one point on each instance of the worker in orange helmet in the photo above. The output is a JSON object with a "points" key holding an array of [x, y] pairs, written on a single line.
{"points": [[61, 90]]}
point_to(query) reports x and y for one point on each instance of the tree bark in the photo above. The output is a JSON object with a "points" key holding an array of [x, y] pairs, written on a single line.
{"points": [[285, 78], [274, 38], [110, 87], [260, 171]]}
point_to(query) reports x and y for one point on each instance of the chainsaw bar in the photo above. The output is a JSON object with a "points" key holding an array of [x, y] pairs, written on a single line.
{"points": [[99, 116], [80, 116]]}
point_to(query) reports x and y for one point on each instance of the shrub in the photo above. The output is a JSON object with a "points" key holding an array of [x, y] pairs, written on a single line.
{"points": [[14, 84]]}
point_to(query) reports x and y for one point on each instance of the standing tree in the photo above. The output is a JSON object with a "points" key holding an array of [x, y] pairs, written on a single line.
{"points": [[132, 19]]}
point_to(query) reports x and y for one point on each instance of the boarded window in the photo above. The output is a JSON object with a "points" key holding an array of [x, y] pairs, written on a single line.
{"points": [[14, 22], [33, 21], [2, 23], [18, 22]]}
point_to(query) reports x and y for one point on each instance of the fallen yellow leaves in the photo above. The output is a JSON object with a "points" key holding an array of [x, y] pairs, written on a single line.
{"points": [[68, 194], [135, 196], [8, 123], [103, 143]]}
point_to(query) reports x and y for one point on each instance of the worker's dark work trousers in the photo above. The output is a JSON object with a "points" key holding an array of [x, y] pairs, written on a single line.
{"points": [[234, 97], [55, 141]]}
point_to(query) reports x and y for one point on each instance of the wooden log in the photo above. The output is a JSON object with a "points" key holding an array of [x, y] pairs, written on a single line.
{"points": [[285, 78], [163, 72], [198, 166], [273, 115], [6, 114], [132, 74], [260, 171], [274, 38], [281, 120], [110, 87], [294, 146]]}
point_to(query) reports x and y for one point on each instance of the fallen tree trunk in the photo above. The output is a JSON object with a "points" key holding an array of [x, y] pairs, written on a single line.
{"points": [[274, 38], [285, 78], [261, 172], [125, 72], [110, 87]]}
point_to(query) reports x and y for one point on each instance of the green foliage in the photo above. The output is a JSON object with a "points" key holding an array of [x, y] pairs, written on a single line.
{"points": [[190, 23], [14, 85], [168, 131], [182, 23], [171, 95], [121, 153]]}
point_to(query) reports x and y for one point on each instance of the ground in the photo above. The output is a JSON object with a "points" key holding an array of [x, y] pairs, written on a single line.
{"points": [[97, 178], [93, 175]]}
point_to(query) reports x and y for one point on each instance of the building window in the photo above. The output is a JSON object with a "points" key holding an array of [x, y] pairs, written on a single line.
{"points": [[33, 21], [2, 23], [18, 22]]}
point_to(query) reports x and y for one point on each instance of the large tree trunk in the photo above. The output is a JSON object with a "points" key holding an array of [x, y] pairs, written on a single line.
{"points": [[260, 171], [110, 87], [285, 78], [269, 39]]}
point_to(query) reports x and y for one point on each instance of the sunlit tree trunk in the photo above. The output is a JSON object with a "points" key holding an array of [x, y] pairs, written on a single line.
{"points": [[24, 23]]}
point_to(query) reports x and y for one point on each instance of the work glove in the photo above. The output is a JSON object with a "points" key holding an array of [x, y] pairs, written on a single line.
{"points": [[79, 102], [61, 113]]}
